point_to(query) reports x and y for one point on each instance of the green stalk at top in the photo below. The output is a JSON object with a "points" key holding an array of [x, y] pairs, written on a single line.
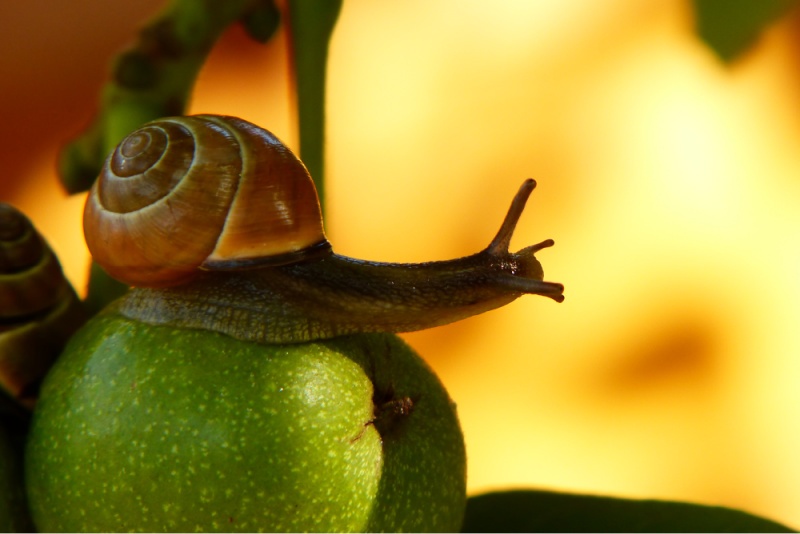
{"points": [[155, 76], [311, 24]]}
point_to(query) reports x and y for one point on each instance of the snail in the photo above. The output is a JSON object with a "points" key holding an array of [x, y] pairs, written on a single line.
{"points": [[250, 380], [39, 310], [213, 213]]}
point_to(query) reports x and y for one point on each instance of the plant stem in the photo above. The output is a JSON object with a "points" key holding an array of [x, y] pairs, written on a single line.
{"points": [[311, 24], [155, 76]]}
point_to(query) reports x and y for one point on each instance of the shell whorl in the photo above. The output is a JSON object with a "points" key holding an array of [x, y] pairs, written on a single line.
{"points": [[39, 310], [31, 279], [200, 192]]}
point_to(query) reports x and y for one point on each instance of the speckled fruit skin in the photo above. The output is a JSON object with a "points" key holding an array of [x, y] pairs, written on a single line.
{"points": [[151, 428]]}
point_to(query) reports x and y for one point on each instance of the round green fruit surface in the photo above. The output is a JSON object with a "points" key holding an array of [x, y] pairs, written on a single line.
{"points": [[152, 428]]}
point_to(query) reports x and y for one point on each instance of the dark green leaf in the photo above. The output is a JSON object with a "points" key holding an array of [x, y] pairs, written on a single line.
{"points": [[730, 26], [542, 511]]}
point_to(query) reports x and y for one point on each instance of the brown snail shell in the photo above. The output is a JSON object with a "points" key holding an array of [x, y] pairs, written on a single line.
{"points": [[31, 275], [201, 192], [39, 310]]}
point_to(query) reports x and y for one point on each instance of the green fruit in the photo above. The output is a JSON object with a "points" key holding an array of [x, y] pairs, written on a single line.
{"points": [[153, 428]]}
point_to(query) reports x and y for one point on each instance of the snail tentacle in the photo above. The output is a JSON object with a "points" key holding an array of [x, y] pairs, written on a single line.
{"points": [[502, 240], [521, 271]]}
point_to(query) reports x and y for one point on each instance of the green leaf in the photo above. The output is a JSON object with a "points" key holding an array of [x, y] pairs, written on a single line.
{"points": [[730, 26], [542, 511]]}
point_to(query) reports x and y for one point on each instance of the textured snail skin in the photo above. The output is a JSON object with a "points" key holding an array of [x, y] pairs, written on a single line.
{"points": [[39, 310], [337, 296]]}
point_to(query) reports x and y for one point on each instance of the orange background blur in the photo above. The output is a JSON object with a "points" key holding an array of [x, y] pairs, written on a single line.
{"points": [[670, 183]]}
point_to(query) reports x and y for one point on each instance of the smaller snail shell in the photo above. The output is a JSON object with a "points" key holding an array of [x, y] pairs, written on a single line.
{"points": [[30, 275], [201, 192], [39, 310]]}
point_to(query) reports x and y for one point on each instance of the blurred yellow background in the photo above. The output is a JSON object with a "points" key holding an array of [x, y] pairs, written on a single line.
{"points": [[669, 181]]}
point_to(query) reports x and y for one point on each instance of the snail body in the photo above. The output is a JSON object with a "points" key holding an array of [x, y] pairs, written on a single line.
{"points": [[254, 283]]}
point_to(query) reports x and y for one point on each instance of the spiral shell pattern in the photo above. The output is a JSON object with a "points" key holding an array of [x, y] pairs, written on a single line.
{"points": [[201, 192], [39, 310], [30, 275]]}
